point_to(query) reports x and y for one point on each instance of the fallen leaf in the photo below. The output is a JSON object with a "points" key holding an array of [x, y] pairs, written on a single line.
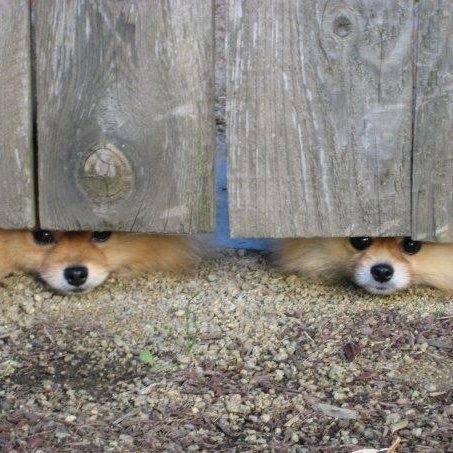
{"points": [[351, 350], [367, 375], [337, 412], [399, 425], [35, 442]]}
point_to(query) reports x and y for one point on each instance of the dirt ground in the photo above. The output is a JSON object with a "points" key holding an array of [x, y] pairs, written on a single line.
{"points": [[235, 357]]}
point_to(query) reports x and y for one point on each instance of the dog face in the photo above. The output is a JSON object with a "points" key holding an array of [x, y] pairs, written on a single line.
{"points": [[379, 265], [383, 266], [69, 262], [77, 262]]}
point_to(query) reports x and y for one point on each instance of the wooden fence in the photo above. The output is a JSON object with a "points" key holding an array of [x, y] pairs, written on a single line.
{"points": [[321, 114], [339, 116]]}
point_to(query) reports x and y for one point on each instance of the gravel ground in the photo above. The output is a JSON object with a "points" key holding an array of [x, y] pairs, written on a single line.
{"points": [[235, 357]]}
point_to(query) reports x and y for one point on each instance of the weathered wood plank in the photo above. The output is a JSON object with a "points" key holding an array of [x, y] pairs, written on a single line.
{"points": [[433, 134], [16, 153], [319, 114], [125, 114]]}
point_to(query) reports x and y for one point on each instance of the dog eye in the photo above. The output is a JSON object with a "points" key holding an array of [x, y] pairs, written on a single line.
{"points": [[411, 247], [361, 243], [101, 236], [44, 237]]}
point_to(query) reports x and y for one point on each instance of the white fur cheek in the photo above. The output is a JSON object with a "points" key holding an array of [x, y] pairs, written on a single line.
{"points": [[55, 279], [362, 276], [95, 278], [401, 278]]}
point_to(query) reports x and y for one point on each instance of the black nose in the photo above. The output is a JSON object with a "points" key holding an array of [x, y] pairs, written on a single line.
{"points": [[76, 275], [382, 272]]}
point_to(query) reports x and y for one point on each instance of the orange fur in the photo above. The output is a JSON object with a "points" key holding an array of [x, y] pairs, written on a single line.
{"points": [[121, 253], [336, 258]]}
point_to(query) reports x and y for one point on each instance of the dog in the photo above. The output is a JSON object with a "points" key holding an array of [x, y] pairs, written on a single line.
{"points": [[381, 266], [77, 262]]}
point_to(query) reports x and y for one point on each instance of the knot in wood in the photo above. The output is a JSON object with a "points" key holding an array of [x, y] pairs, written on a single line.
{"points": [[342, 26], [106, 174]]}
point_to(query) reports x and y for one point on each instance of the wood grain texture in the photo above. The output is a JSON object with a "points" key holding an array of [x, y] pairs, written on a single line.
{"points": [[125, 114], [319, 114], [16, 154], [433, 139]]}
